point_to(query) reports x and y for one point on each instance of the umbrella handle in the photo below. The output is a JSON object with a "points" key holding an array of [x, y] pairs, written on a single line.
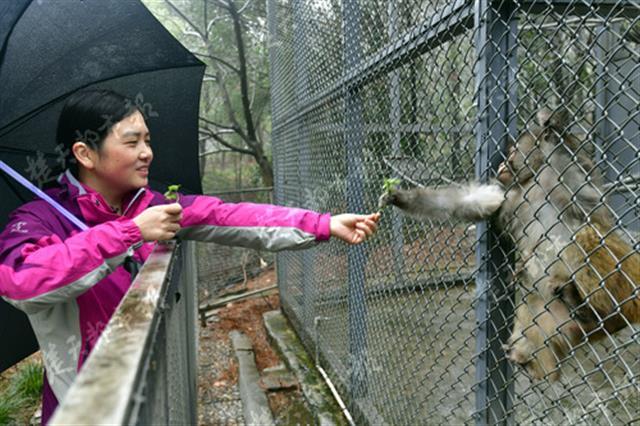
{"points": [[38, 192]]}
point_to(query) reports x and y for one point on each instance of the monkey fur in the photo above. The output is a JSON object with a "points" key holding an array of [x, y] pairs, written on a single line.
{"points": [[580, 281]]}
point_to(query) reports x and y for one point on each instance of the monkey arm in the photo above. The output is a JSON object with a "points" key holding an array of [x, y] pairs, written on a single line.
{"points": [[470, 202]]}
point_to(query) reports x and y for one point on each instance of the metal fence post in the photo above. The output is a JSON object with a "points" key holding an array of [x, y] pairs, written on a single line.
{"points": [[357, 258], [396, 136], [495, 73], [276, 78], [301, 77], [190, 289]]}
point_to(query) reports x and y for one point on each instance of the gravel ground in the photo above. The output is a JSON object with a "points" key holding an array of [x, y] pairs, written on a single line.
{"points": [[219, 398]]}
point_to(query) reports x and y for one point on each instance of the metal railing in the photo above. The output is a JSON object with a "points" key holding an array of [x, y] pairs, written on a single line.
{"points": [[410, 326], [143, 368]]}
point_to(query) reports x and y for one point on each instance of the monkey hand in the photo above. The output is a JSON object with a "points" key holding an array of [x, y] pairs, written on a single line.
{"points": [[391, 197], [384, 200]]}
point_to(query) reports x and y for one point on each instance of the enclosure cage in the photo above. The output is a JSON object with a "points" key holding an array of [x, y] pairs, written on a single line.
{"points": [[411, 325]]}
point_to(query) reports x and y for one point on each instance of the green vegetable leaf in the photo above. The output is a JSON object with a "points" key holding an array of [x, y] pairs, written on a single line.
{"points": [[390, 184], [172, 192]]}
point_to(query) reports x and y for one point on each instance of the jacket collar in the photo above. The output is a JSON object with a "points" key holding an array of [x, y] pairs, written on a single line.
{"points": [[92, 204]]}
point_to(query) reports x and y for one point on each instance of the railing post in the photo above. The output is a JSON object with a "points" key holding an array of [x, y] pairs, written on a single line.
{"points": [[495, 73], [357, 258], [189, 285]]}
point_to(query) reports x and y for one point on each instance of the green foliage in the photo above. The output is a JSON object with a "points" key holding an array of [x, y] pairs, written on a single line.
{"points": [[21, 394], [172, 192], [10, 405], [28, 381], [390, 184]]}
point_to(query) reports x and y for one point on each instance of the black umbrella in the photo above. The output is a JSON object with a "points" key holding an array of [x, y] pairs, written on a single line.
{"points": [[49, 49]]}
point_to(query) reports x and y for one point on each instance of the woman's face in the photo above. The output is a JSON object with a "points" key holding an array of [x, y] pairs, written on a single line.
{"points": [[123, 161]]}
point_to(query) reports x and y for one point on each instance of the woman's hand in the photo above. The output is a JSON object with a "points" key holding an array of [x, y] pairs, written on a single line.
{"points": [[159, 223], [354, 228]]}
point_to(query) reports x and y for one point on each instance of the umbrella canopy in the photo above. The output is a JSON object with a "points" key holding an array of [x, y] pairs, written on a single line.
{"points": [[48, 50]]}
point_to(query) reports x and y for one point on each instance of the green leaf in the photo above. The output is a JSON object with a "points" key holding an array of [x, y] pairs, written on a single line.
{"points": [[172, 192], [390, 184]]}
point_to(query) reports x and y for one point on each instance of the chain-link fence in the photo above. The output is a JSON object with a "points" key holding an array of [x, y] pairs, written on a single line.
{"points": [[411, 325], [222, 266]]}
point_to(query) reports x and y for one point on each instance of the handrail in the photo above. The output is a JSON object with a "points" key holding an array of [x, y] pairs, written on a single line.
{"points": [[113, 384]]}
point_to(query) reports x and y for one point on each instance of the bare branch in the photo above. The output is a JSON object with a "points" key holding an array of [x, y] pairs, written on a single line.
{"points": [[227, 100], [244, 7], [244, 86], [225, 143], [218, 59], [213, 21], [193, 26], [221, 126], [191, 33], [215, 151], [222, 4]]}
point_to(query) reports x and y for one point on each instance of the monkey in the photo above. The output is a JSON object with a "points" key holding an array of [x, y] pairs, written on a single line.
{"points": [[579, 280]]}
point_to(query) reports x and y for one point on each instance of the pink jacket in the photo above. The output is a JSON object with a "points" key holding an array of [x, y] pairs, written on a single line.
{"points": [[70, 282]]}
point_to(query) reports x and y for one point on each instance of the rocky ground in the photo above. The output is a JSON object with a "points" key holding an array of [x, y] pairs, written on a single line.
{"points": [[219, 399]]}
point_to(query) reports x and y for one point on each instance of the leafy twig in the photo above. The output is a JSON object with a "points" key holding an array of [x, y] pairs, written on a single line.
{"points": [[172, 193]]}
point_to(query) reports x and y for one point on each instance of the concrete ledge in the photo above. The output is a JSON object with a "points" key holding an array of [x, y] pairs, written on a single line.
{"points": [[255, 405], [314, 389]]}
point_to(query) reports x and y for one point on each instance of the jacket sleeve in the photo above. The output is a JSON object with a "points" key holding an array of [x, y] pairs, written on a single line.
{"points": [[258, 226], [38, 269]]}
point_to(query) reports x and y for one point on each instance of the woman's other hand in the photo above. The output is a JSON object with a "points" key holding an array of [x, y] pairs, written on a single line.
{"points": [[159, 223], [354, 228]]}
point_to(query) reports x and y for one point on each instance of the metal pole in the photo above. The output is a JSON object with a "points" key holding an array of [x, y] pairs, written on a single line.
{"points": [[397, 236], [496, 84], [276, 78], [301, 75], [357, 258], [190, 290]]}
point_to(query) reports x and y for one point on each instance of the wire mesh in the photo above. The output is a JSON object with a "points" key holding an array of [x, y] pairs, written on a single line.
{"points": [[165, 389], [223, 266], [411, 326]]}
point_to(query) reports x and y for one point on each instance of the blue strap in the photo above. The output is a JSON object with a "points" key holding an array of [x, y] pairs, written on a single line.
{"points": [[38, 192]]}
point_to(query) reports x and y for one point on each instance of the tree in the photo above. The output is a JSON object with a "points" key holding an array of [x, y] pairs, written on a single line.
{"points": [[231, 39]]}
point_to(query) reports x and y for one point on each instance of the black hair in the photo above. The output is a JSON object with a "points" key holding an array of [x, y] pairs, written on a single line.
{"points": [[88, 116]]}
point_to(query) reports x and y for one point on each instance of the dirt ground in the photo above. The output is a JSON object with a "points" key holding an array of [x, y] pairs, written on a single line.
{"points": [[219, 400]]}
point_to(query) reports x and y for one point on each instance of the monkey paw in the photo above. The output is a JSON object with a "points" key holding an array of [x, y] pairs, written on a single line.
{"points": [[387, 198], [518, 352], [539, 363]]}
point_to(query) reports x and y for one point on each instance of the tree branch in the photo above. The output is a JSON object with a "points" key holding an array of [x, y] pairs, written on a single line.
{"points": [[244, 86], [213, 123], [227, 102], [222, 4], [187, 20], [242, 9], [218, 59], [223, 142]]}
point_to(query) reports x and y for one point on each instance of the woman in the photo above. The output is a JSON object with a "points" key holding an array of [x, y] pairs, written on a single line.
{"points": [[70, 282]]}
